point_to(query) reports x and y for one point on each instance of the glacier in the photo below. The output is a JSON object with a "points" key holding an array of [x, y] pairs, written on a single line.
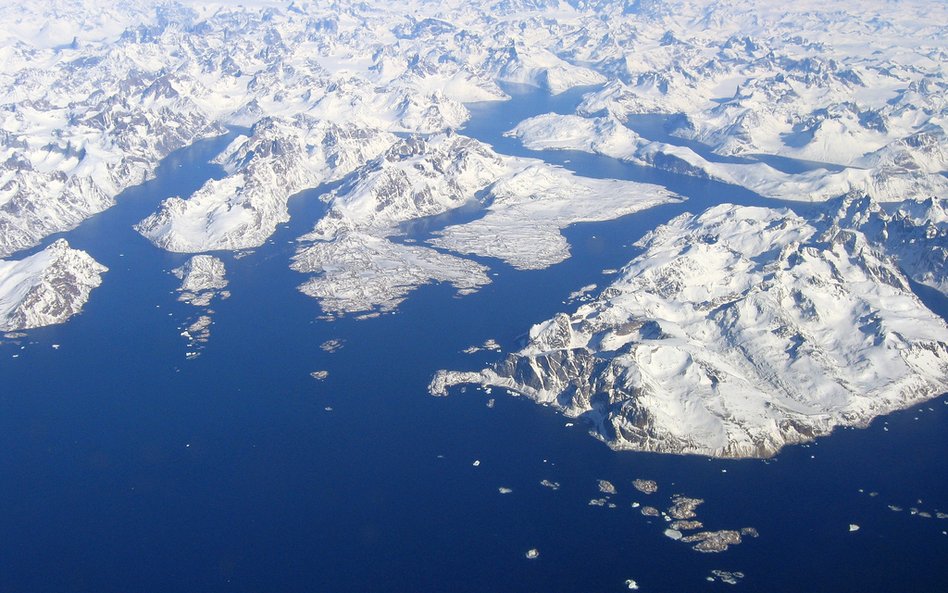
{"points": [[527, 211]]}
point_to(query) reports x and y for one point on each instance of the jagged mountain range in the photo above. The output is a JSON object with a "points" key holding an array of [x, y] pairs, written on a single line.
{"points": [[92, 96]]}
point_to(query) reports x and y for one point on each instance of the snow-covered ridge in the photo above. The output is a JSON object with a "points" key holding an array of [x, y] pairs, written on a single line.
{"points": [[915, 234], [734, 333], [608, 136], [280, 158], [835, 82], [416, 177], [46, 288], [93, 98]]}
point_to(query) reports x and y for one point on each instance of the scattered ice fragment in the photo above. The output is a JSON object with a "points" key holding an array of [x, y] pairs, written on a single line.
{"points": [[550, 485], [853, 527], [490, 403], [730, 578], [673, 534], [892, 507], [532, 553], [631, 584], [55, 346], [491, 344], [476, 463], [328, 408], [319, 375], [504, 490], [331, 345], [635, 505], [598, 502], [650, 512]]}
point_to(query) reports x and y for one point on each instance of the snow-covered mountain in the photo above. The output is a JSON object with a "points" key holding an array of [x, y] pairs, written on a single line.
{"points": [[915, 234], [608, 136], [46, 288], [279, 158], [93, 95], [734, 333], [416, 177]]}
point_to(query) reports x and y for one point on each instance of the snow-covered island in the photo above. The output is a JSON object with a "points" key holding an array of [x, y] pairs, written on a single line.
{"points": [[203, 278], [734, 333], [46, 288], [355, 252]]}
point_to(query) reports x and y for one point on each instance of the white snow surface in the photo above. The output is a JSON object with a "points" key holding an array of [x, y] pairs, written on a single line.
{"points": [[95, 94], [608, 136], [362, 273], [528, 210], [46, 288], [734, 333]]}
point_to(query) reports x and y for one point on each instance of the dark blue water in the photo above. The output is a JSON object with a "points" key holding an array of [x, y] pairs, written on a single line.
{"points": [[125, 467]]}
